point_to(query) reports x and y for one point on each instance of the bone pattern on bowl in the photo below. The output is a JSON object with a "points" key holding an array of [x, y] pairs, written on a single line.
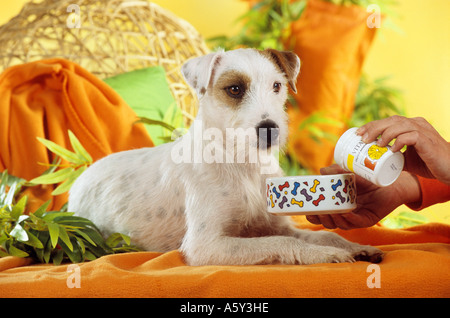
{"points": [[315, 191]]}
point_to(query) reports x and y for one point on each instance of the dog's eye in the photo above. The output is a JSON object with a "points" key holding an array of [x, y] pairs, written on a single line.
{"points": [[276, 87], [234, 91]]}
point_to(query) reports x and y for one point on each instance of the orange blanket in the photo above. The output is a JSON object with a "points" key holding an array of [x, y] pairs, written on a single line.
{"points": [[416, 264], [45, 99]]}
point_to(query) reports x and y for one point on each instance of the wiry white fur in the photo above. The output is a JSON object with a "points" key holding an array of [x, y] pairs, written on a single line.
{"points": [[215, 213]]}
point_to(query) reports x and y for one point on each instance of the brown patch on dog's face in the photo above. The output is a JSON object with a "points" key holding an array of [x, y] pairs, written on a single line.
{"points": [[287, 62], [231, 88]]}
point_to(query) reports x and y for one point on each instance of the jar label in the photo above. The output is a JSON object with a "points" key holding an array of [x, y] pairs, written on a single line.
{"points": [[364, 158]]}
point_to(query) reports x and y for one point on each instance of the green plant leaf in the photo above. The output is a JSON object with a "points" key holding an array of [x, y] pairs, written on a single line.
{"points": [[54, 177], [3, 253], [72, 251], [61, 151], [19, 208], [19, 233], [89, 256], [81, 245], [33, 241], [50, 216], [114, 239], [9, 199], [13, 251], [47, 251], [66, 185], [42, 209], [79, 149], [85, 236], [65, 237], [53, 229], [149, 121], [57, 259]]}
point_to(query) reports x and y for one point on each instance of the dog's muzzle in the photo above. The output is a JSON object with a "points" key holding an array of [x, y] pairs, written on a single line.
{"points": [[268, 132]]}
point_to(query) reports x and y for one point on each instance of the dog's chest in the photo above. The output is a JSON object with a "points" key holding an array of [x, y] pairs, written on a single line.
{"points": [[248, 218]]}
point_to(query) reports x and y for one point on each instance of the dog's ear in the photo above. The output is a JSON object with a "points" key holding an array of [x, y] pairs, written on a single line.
{"points": [[199, 71], [288, 62]]}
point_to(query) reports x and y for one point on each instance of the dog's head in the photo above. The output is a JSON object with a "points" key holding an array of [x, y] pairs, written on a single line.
{"points": [[245, 89]]}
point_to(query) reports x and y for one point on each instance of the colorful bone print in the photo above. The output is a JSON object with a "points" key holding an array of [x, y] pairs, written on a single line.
{"points": [[342, 192]]}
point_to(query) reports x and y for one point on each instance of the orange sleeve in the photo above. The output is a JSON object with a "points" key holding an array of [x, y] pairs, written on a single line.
{"points": [[433, 192]]}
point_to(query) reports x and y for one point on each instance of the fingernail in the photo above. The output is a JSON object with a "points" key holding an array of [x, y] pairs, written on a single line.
{"points": [[364, 137], [379, 141], [360, 131]]}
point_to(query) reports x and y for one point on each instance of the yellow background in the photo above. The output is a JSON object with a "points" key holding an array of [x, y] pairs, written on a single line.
{"points": [[417, 57]]}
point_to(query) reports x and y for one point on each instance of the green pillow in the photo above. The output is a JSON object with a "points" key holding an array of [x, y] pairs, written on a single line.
{"points": [[146, 91]]}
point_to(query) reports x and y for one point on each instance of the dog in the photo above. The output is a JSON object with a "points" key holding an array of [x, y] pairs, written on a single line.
{"points": [[204, 193]]}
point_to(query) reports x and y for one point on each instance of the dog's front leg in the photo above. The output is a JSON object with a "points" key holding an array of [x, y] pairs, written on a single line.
{"points": [[206, 242], [223, 250], [325, 238]]}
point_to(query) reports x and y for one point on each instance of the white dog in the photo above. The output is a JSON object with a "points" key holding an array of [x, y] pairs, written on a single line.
{"points": [[204, 193]]}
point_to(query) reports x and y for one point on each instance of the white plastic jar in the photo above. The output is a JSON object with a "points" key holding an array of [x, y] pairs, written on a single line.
{"points": [[377, 164]]}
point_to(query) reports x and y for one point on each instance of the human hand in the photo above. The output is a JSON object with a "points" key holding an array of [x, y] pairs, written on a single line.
{"points": [[373, 202], [427, 153]]}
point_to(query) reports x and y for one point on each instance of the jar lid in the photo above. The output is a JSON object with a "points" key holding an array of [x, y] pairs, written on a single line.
{"points": [[389, 168]]}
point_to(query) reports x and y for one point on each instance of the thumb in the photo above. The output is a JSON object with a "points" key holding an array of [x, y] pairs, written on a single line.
{"points": [[333, 169]]}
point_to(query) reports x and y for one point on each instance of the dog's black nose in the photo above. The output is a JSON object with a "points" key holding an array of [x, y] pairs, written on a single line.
{"points": [[267, 132]]}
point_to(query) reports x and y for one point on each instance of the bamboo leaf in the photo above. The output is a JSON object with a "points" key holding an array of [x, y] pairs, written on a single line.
{"points": [[3, 253], [114, 239], [65, 237], [50, 216], [19, 233], [57, 259], [85, 236], [149, 121], [72, 251], [42, 209], [40, 254], [53, 229], [10, 195], [66, 185], [19, 208], [81, 244], [61, 151], [33, 241], [13, 251], [54, 177], [47, 251], [79, 149], [76, 221], [89, 256]]}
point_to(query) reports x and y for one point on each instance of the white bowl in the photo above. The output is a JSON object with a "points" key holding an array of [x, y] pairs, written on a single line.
{"points": [[311, 195]]}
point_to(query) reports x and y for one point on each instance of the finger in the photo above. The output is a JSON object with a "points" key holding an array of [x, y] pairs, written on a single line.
{"points": [[314, 219], [341, 222], [370, 131], [411, 138], [361, 218], [401, 127], [415, 164], [327, 221], [333, 169]]}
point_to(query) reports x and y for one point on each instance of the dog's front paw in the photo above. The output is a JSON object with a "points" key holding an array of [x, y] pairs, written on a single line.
{"points": [[368, 253], [327, 254]]}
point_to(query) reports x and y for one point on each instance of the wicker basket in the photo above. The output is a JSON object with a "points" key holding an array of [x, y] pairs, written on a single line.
{"points": [[106, 38]]}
